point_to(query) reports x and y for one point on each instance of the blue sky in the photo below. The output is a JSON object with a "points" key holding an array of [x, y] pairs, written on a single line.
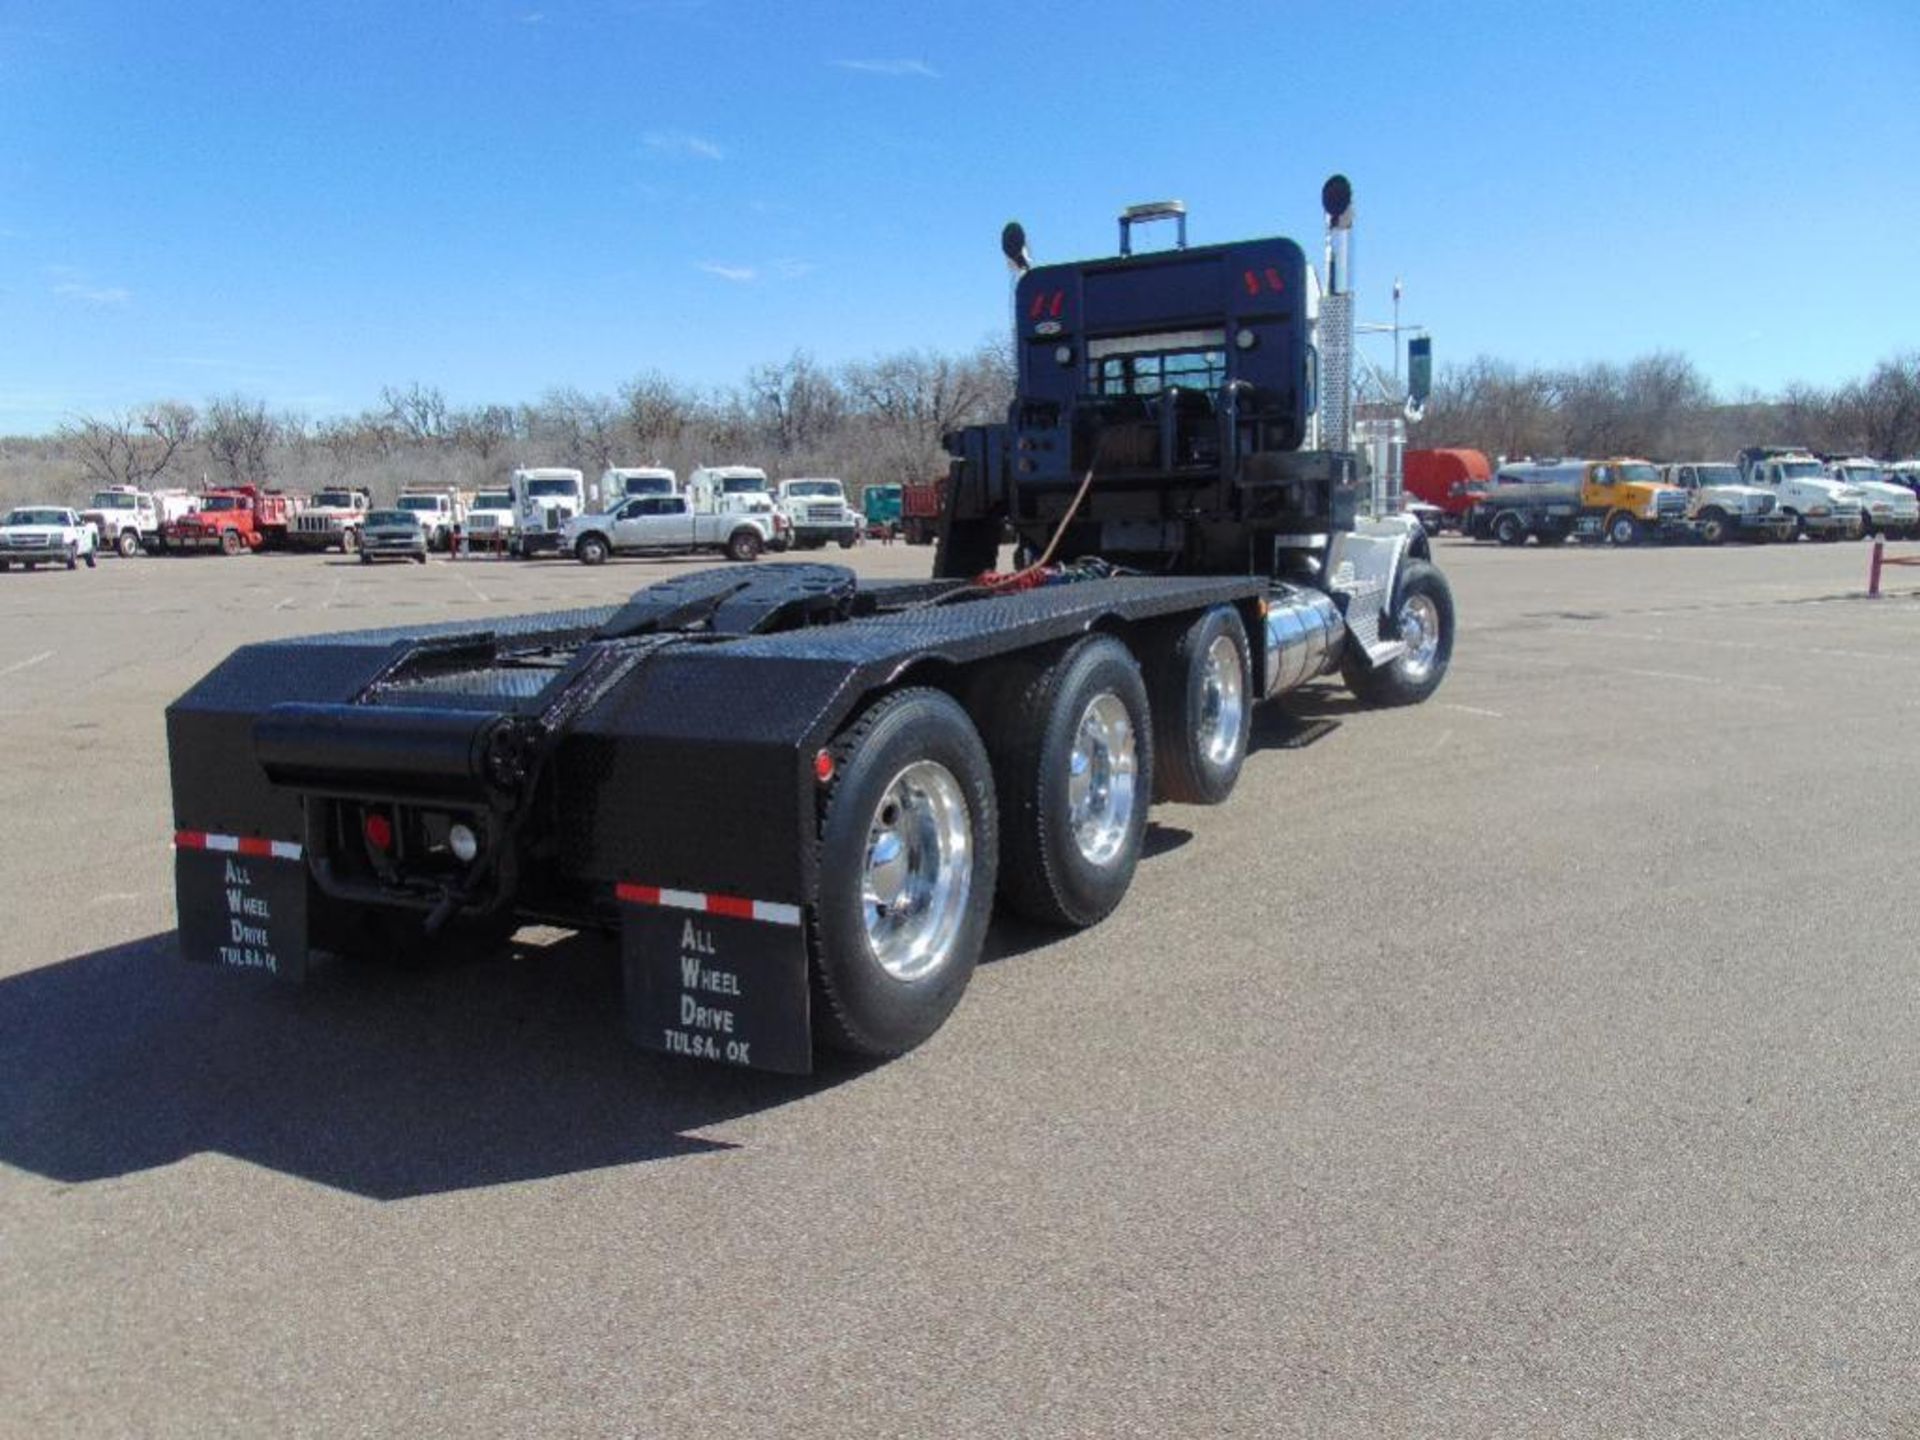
{"points": [[303, 202]]}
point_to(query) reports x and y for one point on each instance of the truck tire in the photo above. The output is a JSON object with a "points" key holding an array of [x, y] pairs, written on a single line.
{"points": [[91, 558], [5, 565], [349, 541], [1623, 529], [744, 544], [73, 556], [127, 542], [846, 542], [1713, 526], [231, 543], [1201, 684], [365, 558], [1423, 607], [592, 550], [1510, 529], [908, 859], [1072, 744]]}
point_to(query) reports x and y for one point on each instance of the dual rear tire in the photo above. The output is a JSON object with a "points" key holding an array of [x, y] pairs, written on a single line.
{"points": [[1042, 804]]}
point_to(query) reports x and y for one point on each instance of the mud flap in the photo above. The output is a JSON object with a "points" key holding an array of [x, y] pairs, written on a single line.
{"points": [[243, 907], [716, 979]]}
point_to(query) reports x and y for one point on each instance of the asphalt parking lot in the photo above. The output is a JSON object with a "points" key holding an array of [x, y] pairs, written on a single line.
{"points": [[1535, 1062]]}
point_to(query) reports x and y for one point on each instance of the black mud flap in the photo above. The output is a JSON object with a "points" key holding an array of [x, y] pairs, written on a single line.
{"points": [[242, 904], [706, 979]]}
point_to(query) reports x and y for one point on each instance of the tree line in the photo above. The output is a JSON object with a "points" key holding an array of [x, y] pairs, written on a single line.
{"points": [[865, 422], [1661, 407], [882, 419]]}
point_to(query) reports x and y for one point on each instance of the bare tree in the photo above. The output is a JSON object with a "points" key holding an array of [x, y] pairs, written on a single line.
{"points": [[418, 412], [240, 437], [658, 413], [131, 448], [912, 399], [584, 428], [484, 431], [796, 402]]}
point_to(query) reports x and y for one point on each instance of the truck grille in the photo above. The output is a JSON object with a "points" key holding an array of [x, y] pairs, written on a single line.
{"points": [[317, 524], [28, 541], [483, 522], [1670, 502], [823, 514]]}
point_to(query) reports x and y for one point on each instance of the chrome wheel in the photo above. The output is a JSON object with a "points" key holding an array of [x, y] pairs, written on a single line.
{"points": [[919, 870], [1222, 702], [1420, 630], [1100, 779]]}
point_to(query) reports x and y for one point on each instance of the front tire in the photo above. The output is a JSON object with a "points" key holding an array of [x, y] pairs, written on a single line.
{"points": [[1423, 610], [908, 859], [73, 556], [1623, 529], [231, 543], [1072, 747], [1713, 527], [1509, 529], [591, 550], [846, 542], [1202, 692], [127, 543], [744, 544]]}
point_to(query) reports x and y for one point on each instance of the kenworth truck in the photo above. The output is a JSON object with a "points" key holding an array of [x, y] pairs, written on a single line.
{"points": [[795, 796]]}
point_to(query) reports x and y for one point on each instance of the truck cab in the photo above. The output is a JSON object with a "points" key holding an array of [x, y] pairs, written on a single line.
{"points": [[1821, 508], [881, 506], [1720, 507], [1887, 508], [619, 482], [816, 512], [440, 512], [125, 519], [544, 499], [490, 518], [332, 520]]}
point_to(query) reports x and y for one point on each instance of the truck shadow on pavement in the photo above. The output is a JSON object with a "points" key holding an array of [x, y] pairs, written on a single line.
{"points": [[383, 1084]]}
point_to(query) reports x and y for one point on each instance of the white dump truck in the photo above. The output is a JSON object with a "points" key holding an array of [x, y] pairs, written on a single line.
{"points": [[1720, 508], [1888, 507], [331, 521]]}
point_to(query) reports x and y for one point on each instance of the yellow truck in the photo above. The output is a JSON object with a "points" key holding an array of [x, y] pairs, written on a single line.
{"points": [[1621, 500]]}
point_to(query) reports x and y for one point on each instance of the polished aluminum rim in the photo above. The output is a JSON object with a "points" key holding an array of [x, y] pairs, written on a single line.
{"points": [[1100, 778], [1223, 703], [1420, 630], [919, 870]]}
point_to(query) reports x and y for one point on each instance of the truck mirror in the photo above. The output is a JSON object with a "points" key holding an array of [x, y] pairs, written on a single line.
{"points": [[1419, 371], [1013, 245]]}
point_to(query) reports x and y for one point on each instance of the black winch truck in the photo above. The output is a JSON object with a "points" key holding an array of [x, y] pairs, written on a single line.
{"points": [[796, 797]]}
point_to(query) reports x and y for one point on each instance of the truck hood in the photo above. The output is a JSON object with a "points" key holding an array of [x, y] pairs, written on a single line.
{"points": [[1880, 490]]}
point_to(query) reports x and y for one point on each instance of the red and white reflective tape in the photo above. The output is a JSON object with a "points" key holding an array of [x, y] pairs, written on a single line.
{"points": [[734, 907], [252, 846]]}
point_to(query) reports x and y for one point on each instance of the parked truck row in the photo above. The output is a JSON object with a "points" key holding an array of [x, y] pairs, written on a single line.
{"points": [[1769, 493]]}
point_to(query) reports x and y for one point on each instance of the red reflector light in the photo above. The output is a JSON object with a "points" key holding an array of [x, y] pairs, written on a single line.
{"points": [[1251, 281], [1274, 282], [1059, 299], [379, 832], [1038, 308], [823, 767]]}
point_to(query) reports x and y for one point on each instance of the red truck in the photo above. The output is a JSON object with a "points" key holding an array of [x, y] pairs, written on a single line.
{"points": [[235, 518], [920, 502], [1455, 480]]}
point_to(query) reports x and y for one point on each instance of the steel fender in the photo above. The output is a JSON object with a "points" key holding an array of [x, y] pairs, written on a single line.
{"points": [[1363, 573]]}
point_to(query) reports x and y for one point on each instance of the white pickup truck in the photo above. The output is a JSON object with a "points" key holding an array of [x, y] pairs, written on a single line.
{"points": [[35, 535], [656, 524], [816, 511]]}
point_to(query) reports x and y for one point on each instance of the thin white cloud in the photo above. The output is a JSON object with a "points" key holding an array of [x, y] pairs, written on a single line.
{"points": [[679, 142], [738, 274], [93, 294], [533, 17], [919, 68]]}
